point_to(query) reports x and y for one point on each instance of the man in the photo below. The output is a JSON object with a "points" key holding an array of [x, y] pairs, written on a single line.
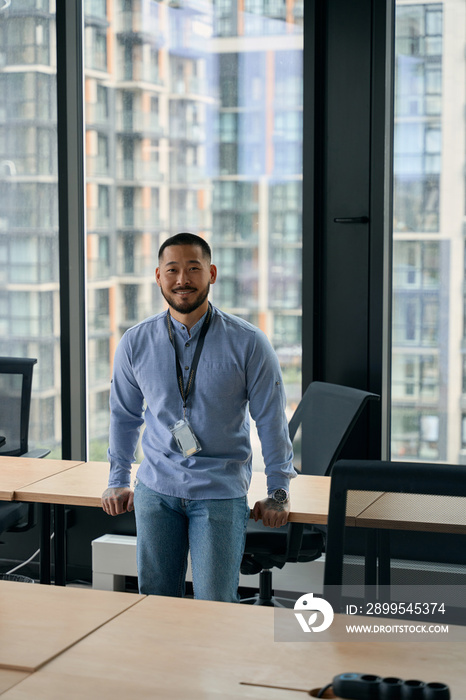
{"points": [[198, 370]]}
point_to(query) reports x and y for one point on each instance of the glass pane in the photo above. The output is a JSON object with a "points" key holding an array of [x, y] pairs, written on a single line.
{"points": [[193, 123], [29, 284], [429, 300]]}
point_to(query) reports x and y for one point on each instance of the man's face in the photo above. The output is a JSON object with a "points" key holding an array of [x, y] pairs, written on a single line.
{"points": [[184, 276]]}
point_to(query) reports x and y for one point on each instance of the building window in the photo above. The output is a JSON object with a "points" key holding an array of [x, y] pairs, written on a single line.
{"points": [[29, 287], [95, 48]]}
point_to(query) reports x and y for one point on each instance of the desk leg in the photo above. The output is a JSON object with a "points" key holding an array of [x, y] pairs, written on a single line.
{"points": [[370, 568], [44, 566], [383, 546], [59, 545]]}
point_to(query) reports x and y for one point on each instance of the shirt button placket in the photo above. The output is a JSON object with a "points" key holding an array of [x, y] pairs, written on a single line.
{"points": [[187, 356]]}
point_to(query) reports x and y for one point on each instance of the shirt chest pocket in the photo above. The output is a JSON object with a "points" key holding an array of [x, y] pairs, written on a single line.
{"points": [[223, 377]]}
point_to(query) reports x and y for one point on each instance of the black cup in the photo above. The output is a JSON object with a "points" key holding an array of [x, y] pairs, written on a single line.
{"points": [[390, 688], [436, 691], [412, 690]]}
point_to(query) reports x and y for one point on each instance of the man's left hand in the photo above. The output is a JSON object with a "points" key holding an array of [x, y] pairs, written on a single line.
{"points": [[273, 514]]}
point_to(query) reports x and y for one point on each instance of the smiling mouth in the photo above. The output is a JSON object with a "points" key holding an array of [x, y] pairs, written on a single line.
{"points": [[183, 292]]}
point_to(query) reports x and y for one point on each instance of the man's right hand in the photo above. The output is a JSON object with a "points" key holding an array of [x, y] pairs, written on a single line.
{"points": [[117, 500]]}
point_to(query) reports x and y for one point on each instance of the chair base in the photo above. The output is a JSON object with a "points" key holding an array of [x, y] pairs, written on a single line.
{"points": [[273, 602], [265, 595]]}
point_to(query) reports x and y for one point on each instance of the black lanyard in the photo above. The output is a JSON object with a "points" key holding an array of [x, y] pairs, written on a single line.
{"points": [[200, 343]]}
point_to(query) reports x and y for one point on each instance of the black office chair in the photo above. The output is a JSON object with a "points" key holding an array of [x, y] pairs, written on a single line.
{"points": [[15, 402], [327, 414], [342, 585]]}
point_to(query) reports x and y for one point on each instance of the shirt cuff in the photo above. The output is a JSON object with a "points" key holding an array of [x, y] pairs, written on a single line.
{"points": [[274, 483], [119, 477]]}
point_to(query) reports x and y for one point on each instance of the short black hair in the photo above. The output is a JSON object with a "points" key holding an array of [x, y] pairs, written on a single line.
{"points": [[187, 239]]}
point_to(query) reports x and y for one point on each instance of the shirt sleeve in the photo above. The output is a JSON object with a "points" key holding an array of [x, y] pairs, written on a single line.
{"points": [[267, 403], [126, 416]]}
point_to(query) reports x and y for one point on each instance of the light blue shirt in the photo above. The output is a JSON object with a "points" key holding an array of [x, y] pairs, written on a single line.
{"points": [[238, 373]]}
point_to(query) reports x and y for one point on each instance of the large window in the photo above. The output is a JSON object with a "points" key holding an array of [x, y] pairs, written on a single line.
{"points": [[193, 116], [193, 123], [429, 302], [29, 287]]}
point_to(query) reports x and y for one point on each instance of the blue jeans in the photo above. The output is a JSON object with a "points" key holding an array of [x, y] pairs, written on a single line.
{"points": [[213, 530]]}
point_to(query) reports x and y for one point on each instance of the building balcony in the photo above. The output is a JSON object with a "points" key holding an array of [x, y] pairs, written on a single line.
{"points": [[141, 266], [97, 219], [188, 86], [187, 132], [134, 316], [139, 122], [138, 72], [421, 336], [141, 25], [187, 174], [31, 55], [30, 328], [26, 273], [96, 113], [238, 206], [190, 219], [138, 218], [136, 170], [39, 8], [99, 425], [96, 9], [99, 372], [235, 238], [98, 321], [30, 219], [97, 270], [97, 166]]}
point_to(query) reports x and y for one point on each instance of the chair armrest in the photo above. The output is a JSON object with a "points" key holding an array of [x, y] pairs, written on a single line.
{"points": [[38, 453]]}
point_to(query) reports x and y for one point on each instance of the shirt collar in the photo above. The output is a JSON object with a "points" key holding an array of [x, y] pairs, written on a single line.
{"points": [[179, 326]]}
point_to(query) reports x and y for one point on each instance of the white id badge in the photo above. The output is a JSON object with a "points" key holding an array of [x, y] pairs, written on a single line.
{"points": [[185, 438]]}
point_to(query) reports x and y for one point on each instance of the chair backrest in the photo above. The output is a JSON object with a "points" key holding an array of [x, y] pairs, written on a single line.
{"points": [[15, 402], [328, 413], [384, 478]]}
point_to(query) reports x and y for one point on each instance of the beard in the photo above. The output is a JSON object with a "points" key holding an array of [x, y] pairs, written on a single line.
{"points": [[185, 306]]}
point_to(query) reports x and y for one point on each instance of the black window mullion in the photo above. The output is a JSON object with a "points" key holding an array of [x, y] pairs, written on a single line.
{"points": [[71, 201]]}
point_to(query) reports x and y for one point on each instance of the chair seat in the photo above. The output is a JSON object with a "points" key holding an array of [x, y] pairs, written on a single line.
{"points": [[268, 547], [262, 539], [11, 514]]}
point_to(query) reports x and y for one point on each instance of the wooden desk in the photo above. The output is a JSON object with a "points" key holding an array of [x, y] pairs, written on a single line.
{"points": [[178, 649], [408, 511], [10, 678], [79, 484], [309, 498], [84, 484], [39, 622], [19, 472]]}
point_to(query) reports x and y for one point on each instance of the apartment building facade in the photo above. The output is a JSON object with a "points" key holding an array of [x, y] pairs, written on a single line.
{"points": [[193, 114]]}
